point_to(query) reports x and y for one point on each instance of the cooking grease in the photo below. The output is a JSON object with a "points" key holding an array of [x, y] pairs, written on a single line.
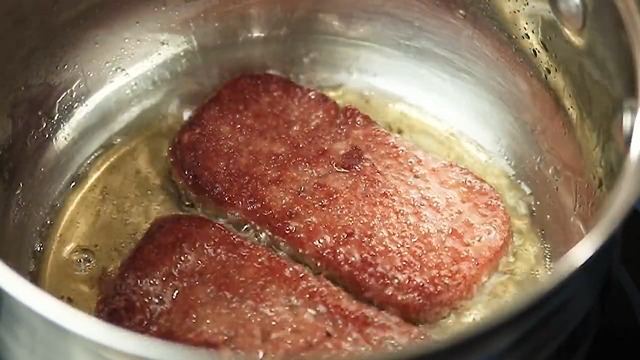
{"points": [[120, 191]]}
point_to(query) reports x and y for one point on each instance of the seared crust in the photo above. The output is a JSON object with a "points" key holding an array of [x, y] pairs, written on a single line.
{"points": [[395, 227], [190, 280]]}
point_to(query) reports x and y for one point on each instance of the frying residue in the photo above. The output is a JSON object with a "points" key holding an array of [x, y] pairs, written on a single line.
{"points": [[125, 187]]}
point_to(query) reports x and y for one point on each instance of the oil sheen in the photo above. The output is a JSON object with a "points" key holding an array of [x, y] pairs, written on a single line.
{"points": [[127, 184]]}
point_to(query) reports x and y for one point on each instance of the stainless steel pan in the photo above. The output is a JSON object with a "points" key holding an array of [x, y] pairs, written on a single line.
{"points": [[547, 87]]}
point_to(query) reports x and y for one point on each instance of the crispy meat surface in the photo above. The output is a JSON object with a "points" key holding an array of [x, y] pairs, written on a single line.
{"points": [[395, 227], [193, 281]]}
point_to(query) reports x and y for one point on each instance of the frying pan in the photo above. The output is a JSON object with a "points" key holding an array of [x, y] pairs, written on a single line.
{"points": [[547, 88]]}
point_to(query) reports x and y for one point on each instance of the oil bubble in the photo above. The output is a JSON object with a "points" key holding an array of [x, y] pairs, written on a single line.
{"points": [[83, 260]]}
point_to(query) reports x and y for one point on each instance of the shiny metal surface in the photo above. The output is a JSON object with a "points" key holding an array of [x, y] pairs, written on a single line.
{"points": [[570, 13], [629, 115], [505, 74]]}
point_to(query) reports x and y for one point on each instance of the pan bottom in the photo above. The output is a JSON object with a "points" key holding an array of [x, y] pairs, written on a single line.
{"points": [[127, 184]]}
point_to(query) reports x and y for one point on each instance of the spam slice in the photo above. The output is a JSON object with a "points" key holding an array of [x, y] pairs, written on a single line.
{"points": [[190, 280], [395, 227]]}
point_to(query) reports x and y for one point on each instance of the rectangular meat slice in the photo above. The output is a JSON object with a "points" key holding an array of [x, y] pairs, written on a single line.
{"points": [[190, 280], [394, 226]]}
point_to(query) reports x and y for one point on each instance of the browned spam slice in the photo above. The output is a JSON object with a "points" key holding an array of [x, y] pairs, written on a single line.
{"points": [[410, 233], [190, 280]]}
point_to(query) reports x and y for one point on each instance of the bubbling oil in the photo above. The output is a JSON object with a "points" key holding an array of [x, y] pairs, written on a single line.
{"points": [[128, 184]]}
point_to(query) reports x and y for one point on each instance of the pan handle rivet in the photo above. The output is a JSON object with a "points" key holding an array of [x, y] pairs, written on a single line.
{"points": [[570, 13]]}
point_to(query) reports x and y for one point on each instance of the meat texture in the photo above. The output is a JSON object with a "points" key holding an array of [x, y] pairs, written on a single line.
{"points": [[190, 280], [410, 233]]}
